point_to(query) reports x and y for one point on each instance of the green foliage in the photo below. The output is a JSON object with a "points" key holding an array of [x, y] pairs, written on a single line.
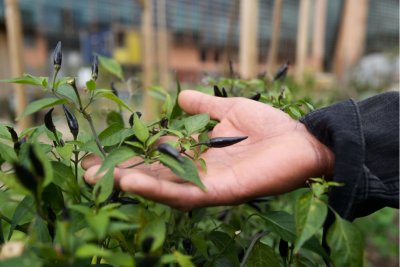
{"points": [[66, 222]]}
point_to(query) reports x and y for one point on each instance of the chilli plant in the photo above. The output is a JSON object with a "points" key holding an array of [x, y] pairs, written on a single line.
{"points": [[49, 216]]}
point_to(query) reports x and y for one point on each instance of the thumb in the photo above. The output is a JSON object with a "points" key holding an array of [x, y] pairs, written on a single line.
{"points": [[194, 102]]}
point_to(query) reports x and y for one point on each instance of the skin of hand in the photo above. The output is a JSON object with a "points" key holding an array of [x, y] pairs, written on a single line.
{"points": [[278, 156]]}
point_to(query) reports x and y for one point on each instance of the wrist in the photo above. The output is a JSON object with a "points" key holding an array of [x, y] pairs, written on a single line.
{"points": [[323, 159]]}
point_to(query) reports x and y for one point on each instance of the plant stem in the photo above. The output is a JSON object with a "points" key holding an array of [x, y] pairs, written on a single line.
{"points": [[250, 248], [54, 78], [135, 165], [96, 137], [76, 153]]}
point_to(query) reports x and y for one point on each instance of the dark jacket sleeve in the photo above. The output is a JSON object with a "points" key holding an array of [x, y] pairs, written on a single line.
{"points": [[364, 136]]}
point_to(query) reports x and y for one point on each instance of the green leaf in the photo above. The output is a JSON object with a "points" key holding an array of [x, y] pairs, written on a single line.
{"points": [[176, 110], [154, 228], [22, 214], [114, 134], [346, 243], [40, 232], [109, 95], [120, 259], [225, 245], [196, 122], [263, 255], [183, 260], [68, 92], [98, 223], [7, 153], [154, 138], [310, 214], [111, 65], [91, 85], [104, 187], [41, 154], [28, 79], [294, 111], [65, 153], [116, 157], [4, 133], [41, 104], [115, 117], [90, 250], [186, 169], [64, 178], [282, 224], [141, 131]]}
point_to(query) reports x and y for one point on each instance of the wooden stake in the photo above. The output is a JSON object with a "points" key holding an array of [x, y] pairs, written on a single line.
{"points": [[351, 40], [14, 36], [318, 44], [302, 38], [148, 57], [248, 38], [162, 43], [276, 30]]}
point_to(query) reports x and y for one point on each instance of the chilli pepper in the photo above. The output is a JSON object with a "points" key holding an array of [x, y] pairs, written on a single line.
{"points": [[164, 122], [13, 133], [72, 122], [128, 200], [57, 56], [188, 246], [26, 177], [146, 244], [113, 89], [17, 145], [170, 151], [95, 68], [255, 97], [131, 118], [36, 163], [217, 92], [224, 93], [48, 121], [222, 141], [281, 73], [283, 249]]}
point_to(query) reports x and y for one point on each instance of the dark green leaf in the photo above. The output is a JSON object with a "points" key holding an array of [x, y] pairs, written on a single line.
{"points": [[115, 117], [263, 255], [22, 214], [346, 243]]}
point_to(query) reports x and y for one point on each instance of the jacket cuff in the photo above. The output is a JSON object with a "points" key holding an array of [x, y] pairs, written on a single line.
{"points": [[339, 128]]}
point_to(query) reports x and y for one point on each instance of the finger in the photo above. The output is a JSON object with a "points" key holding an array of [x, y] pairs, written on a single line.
{"points": [[194, 102], [90, 160], [92, 176], [183, 196]]}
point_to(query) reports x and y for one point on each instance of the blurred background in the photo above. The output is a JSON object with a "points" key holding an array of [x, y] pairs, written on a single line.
{"points": [[336, 49]]}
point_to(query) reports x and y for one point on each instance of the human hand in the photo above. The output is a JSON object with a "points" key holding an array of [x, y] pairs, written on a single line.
{"points": [[278, 156]]}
